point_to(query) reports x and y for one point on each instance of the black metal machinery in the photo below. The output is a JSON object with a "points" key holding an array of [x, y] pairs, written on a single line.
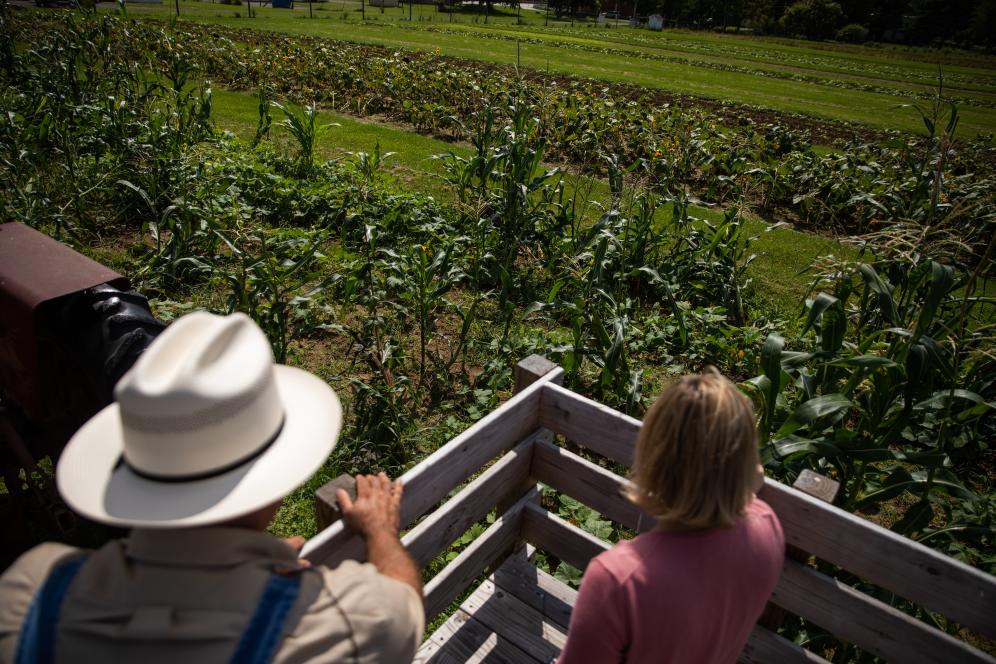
{"points": [[69, 329]]}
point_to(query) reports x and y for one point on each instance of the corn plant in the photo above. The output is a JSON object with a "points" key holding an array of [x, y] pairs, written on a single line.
{"points": [[368, 164], [421, 278], [265, 118], [275, 277], [302, 125], [506, 189], [890, 392]]}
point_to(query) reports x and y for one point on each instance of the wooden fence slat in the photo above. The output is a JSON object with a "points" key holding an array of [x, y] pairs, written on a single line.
{"points": [[566, 413], [472, 561], [333, 545], [432, 479], [521, 624], [596, 487], [599, 428], [552, 534], [866, 622], [764, 647], [911, 570], [441, 528]]}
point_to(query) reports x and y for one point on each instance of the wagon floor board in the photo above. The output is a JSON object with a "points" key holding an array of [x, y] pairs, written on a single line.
{"points": [[534, 587], [464, 640], [515, 620], [518, 615]]}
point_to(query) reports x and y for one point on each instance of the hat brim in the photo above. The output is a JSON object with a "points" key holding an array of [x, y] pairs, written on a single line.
{"points": [[94, 481]]}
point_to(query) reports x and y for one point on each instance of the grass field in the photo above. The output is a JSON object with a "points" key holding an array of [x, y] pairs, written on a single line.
{"points": [[848, 83]]}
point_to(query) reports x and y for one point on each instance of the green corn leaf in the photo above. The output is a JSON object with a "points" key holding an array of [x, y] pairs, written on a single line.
{"points": [[795, 444], [885, 300], [771, 365], [898, 481], [941, 283], [816, 411], [817, 306], [936, 357], [940, 398], [916, 518], [793, 361], [865, 362], [947, 480]]}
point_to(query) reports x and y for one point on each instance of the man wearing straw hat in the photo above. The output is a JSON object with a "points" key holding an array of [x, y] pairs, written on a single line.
{"points": [[205, 439]]}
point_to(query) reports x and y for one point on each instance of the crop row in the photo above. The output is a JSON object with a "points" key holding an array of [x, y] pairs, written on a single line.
{"points": [[856, 187], [861, 63], [846, 84]]}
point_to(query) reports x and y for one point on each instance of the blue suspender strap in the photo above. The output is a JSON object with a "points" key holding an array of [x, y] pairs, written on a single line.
{"points": [[36, 644], [262, 636]]}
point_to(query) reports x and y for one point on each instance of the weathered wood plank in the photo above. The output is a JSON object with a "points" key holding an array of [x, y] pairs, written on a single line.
{"points": [[532, 586], [472, 561], [599, 428], [531, 369], [464, 640], [866, 622], [516, 621], [441, 528], [552, 534], [765, 647], [596, 487], [911, 570], [333, 545], [434, 477]]}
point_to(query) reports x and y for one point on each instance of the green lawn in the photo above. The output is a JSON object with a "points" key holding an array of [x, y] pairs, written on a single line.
{"points": [[722, 67]]}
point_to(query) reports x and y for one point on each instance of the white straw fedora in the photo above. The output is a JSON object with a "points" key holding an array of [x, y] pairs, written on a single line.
{"points": [[205, 429]]}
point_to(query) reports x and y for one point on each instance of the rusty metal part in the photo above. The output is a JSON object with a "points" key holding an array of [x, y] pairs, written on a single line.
{"points": [[35, 272], [40, 489]]}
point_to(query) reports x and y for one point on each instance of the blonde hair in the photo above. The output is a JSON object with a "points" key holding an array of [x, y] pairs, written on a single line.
{"points": [[696, 456]]}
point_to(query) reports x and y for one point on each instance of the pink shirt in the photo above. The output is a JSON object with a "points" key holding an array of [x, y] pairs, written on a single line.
{"points": [[677, 596]]}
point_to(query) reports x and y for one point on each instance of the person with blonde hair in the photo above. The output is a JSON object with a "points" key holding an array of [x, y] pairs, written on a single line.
{"points": [[691, 589]]}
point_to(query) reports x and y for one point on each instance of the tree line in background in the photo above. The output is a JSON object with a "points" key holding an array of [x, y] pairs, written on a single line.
{"points": [[922, 22]]}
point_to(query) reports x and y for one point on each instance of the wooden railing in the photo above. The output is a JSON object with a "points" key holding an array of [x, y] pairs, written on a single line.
{"points": [[521, 435]]}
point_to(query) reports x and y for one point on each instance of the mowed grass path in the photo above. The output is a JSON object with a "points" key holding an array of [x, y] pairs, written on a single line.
{"points": [[778, 270], [689, 64]]}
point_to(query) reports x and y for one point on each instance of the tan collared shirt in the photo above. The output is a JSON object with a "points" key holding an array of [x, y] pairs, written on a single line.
{"points": [[186, 596]]}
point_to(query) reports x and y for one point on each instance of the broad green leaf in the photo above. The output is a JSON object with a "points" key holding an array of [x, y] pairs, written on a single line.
{"points": [[916, 518], [864, 362], [941, 283], [815, 411], [771, 365], [941, 397], [885, 300], [794, 444], [821, 303]]}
